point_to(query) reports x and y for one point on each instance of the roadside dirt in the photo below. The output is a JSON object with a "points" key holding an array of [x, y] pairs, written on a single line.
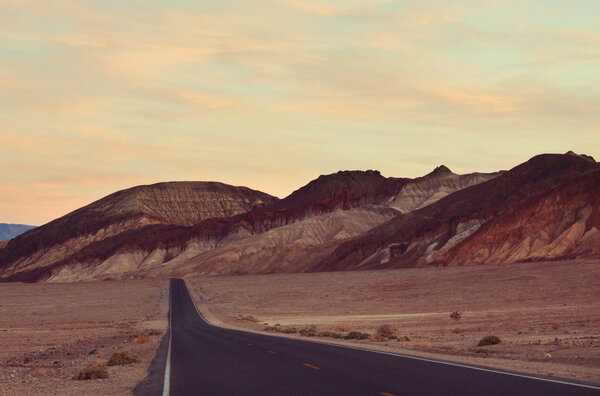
{"points": [[546, 314], [50, 331]]}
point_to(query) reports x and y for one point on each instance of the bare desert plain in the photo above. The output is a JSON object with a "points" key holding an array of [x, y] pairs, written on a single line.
{"points": [[51, 331], [547, 314]]}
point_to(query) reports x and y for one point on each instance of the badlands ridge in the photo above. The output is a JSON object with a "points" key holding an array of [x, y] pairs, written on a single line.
{"points": [[547, 208]]}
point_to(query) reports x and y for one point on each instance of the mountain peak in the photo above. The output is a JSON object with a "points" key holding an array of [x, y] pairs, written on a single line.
{"points": [[440, 171], [588, 157]]}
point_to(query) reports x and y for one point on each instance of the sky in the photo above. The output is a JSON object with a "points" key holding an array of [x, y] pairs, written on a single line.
{"points": [[98, 96]]}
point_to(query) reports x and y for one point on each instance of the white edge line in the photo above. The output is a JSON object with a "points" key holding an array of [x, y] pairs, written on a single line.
{"points": [[404, 356], [167, 383]]}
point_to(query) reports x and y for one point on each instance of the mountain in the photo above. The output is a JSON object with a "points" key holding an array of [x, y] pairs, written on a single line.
{"points": [[267, 238], [172, 204], [542, 209], [9, 231]]}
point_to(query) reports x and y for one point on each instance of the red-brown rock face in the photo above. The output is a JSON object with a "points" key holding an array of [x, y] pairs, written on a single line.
{"points": [[436, 233], [543, 209]]}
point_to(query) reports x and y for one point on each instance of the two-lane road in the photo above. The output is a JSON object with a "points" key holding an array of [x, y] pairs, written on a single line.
{"points": [[208, 360]]}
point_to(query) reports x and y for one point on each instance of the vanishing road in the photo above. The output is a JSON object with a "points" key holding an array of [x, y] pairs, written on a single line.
{"points": [[208, 360]]}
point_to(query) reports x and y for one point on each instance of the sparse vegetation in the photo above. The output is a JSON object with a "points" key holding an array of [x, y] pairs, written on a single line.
{"points": [[356, 335], [249, 318], [151, 332], [123, 357], [386, 330], [94, 370], [455, 315], [309, 331], [142, 339], [489, 340], [424, 344], [404, 339]]}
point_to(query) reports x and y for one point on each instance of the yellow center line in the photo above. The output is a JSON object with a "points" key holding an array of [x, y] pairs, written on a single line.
{"points": [[311, 366], [387, 394], [249, 344], [271, 352]]}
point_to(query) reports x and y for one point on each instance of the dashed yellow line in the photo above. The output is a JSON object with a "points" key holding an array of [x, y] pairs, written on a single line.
{"points": [[387, 394], [249, 344], [311, 366], [271, 352]]}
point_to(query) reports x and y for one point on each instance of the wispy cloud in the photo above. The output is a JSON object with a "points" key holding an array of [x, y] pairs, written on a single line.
{"points": [[271, 94]]}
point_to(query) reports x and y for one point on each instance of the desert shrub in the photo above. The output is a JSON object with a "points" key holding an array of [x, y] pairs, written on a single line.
{"points": [[424, 344], [123, 357], [457, 330], [386, 330], [151, 332], [141, 339], [309, 332], [357, 335], [326, 334], [342, 327], [393, 337], [489, 340], [250, 318], [482, 350], [404, 339], [270, 328], [94, 370], [456, 315], [288, 330]]}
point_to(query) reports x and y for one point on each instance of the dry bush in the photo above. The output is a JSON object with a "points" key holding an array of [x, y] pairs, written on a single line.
{"points": [[151, 332], [423, 344], [123, 357], [404, 339], [456, 315], [94, 370], [386, 330], [43, 371], [342, 327], [489, 340], [309, 332], [357, 335], [142, 339], [249, 318]]}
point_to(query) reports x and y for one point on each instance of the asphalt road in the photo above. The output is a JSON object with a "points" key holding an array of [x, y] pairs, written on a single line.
{"points": [[208, 360]]}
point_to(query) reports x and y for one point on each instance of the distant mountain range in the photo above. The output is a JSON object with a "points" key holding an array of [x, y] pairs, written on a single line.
{"points": [[547, 208], [9, 231]]}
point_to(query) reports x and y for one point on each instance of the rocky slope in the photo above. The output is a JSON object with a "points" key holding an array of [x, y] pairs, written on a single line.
{"points": [[479, 224], [542, 209], [123, 213], [9, 231], [291, 234]]}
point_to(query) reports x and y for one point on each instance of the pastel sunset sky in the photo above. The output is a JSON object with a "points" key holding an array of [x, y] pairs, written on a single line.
{"points": [[97, 96]]}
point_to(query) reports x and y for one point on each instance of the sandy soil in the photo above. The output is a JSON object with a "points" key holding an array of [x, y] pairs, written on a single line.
{"points": [[49, 331], [546, 314]]}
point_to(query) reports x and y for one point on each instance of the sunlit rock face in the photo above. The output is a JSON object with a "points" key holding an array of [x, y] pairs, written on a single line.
{"points": [[543, 209]]}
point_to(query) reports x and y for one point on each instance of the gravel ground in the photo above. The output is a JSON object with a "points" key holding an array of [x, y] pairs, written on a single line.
{"points": [[50, 331]]}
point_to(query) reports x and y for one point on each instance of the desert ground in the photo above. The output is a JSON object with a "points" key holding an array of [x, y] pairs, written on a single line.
{"points": [[547, 314], [50, 331]]}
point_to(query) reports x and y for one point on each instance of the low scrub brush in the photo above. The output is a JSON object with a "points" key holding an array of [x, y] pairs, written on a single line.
{"points": [[489, 340], [123, 357], [94, 370]]}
